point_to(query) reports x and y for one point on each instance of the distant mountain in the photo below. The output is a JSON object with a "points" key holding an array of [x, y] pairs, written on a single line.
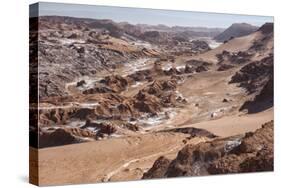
{"points": [[161, 33], [235, 30], [191, 31]]}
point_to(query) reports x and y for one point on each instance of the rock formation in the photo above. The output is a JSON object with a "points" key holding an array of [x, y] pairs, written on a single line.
{"points": [[249, 153]]}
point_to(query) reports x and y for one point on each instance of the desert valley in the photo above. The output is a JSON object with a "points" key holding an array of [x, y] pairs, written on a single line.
{"points": [[119, 101]]}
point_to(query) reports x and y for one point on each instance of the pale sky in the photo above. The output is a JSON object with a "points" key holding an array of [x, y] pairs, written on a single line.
{"points": [[150, 16]]}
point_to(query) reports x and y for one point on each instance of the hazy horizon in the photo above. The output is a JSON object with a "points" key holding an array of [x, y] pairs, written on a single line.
{"points": [[149, 16]]}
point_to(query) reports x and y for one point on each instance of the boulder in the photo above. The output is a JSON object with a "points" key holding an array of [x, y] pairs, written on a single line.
{"points": [[80, 83], [201, 69], [225, 100], [189, 69]]}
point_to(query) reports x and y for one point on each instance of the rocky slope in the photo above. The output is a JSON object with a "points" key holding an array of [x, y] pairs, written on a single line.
{"points": [[70, 48], [250, 153], [255, 74], [257, 79]]}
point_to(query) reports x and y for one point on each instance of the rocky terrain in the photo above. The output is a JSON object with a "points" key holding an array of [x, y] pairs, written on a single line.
{"points": [[127, 101], [250, 153], [88, 45]]}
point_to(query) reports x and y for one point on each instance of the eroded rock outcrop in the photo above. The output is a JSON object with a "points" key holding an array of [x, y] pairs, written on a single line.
{"points": [[116, 83], [141, 75], [262, 101], [193, 65], [234, 58], [254, 154], [254, 75], [147, 103], [98, 89], [100, 128], [224, 67], [249, 153], [158, 169], [257, 79], [160, 86], [49, 116], [61, 136], [194, 132]]}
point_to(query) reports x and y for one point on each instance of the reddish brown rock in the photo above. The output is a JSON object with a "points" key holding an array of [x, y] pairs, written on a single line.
{"points": [[159, 86], [251, 153], [55, 115], [115, 82], [56, 138], [158, 169], [147, 103]]}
